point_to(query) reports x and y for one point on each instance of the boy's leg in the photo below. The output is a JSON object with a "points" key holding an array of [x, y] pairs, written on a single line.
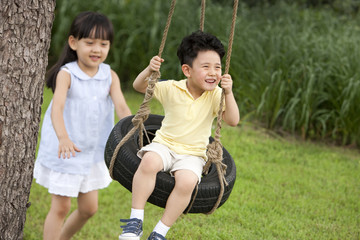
{"points": [[142, 187], [144, 179], [187, 171], [185, 182], [60, 207], [87, 207]]}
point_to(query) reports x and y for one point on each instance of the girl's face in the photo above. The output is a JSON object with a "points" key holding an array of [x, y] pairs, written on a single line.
{"points": [[204, 74], [90, 52]]}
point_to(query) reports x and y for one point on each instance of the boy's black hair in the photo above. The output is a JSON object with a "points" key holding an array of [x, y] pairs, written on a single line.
{"points": [[85, 25], [196, 42]]}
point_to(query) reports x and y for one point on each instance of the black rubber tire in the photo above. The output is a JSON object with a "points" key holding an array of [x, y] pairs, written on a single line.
{"points": [[127, 162]]}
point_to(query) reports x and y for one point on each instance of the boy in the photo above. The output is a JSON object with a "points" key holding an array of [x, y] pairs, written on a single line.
{"points": [[179, 146]]}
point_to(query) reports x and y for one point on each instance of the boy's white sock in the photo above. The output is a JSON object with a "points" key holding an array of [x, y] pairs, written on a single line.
{"points": [[161, 228], [137, 213]]}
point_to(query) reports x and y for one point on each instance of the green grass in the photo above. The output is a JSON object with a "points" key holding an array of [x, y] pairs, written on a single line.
{"points": [[285, 189]]}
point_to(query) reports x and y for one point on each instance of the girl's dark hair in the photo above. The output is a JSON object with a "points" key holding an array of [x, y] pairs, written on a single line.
{"points": [[198, 41], [85, 25]]}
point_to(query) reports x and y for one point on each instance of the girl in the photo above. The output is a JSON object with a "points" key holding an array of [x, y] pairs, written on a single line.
{"points": [[70, 161]]}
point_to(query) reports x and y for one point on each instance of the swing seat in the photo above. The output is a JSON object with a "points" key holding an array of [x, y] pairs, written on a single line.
{"points": [[127, 162]]}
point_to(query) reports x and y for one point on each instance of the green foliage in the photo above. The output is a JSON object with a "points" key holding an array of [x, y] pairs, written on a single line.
{"points": [[340, 6], [298, 71], [295, 69], [138, 26]]}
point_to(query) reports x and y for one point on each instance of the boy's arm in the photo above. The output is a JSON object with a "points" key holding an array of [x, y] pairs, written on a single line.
{"points": [[140, 84], [231, 114], [121, 108]]}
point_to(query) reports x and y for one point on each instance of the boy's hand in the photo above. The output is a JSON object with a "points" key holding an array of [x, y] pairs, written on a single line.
{"points": [[226, 83], [155, 63], [66, 146]]}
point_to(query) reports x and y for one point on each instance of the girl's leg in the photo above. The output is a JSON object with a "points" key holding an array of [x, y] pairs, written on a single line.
{"points": [[87, 207], [144, 179], [185, 182], [60, 207]]}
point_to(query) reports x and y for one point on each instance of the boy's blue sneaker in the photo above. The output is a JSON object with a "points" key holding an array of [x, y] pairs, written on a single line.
{"points": [[132, 230], [156, 236]]}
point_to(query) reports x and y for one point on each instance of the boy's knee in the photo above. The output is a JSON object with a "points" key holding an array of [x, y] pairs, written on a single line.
{"points": [[151, 163], [186, 182]]}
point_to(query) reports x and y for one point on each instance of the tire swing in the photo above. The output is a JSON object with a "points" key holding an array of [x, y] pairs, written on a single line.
{"points": [[127, 137]]}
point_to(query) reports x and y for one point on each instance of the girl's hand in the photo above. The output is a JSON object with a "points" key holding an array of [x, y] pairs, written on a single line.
{"points": [[66, 146], [155, 63], [226, 83]]}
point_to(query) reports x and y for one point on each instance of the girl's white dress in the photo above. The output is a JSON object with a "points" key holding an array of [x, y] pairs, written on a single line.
{"points": [[89, 119]]}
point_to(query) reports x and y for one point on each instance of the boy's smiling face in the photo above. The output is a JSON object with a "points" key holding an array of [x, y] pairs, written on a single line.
{"points": [[204, 74]]}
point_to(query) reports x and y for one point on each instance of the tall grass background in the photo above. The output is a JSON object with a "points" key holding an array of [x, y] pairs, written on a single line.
{"points": [[298, 71], [295, 69]]}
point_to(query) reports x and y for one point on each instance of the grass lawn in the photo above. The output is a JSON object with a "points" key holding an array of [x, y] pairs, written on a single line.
{"points": [[285, 189]]}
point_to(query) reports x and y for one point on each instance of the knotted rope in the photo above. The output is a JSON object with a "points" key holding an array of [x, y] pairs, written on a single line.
{"points": [[144, 110], [215, 149]]}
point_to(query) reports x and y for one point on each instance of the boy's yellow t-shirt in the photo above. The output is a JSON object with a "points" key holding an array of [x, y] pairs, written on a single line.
{"points": [[186, 127]]}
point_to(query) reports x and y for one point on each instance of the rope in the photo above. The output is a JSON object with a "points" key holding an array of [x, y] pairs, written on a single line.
{"points": [[215, 149], [167, 26], [202, 16], [144, 110], [231, 36]]}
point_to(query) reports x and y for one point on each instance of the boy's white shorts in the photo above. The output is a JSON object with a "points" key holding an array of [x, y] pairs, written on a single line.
{"points": [[173, 161]]}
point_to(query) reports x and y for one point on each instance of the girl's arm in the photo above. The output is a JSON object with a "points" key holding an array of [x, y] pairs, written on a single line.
{"points": [[66, 146], [140, 84], [121, 108], [231, 114]]}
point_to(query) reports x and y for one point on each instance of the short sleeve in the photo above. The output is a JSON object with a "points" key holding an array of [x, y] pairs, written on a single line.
{"points": [[162, 89]]}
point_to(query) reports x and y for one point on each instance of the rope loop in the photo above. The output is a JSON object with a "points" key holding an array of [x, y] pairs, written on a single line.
{"points": [[214, 150], [215, 156]]}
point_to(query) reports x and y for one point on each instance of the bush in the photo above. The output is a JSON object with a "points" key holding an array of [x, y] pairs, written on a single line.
{"points": [[340, 6], [298, 71], [139, 26], [294, 68]]}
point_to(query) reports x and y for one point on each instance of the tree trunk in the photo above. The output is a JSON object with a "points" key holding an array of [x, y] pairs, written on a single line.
{"points": [[25, 33]]}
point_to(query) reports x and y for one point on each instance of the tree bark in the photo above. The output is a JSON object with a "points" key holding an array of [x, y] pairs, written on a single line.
{"points": [[25, 34]]}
